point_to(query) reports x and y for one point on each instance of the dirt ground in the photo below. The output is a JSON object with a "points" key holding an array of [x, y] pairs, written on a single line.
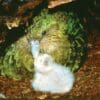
{"points": [[87, 85]]}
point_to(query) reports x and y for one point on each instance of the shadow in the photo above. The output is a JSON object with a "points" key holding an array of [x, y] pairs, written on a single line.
{"points": [[11, 37]]}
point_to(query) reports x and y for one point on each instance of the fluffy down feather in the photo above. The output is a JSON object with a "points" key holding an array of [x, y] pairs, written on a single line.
{"points": [[50, 76]]}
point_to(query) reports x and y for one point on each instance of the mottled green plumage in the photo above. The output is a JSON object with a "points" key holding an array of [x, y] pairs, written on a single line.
{"points": [[17, 62], [60, 35]]}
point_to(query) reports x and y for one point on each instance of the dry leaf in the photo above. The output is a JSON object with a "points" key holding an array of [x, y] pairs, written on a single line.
{"points": [[54, 3]]}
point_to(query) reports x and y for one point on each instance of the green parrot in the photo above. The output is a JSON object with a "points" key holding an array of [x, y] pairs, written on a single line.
{"points": [[60, 34]]}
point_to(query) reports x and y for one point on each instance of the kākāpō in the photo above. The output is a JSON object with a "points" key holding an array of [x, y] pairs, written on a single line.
{"points": [[60, 34]]}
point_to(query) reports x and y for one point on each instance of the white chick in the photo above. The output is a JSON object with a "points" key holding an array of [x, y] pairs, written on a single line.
{"points": [[50, 76]]}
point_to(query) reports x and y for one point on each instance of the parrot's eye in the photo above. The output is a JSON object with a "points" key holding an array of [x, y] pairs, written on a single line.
{"points": [[43, 33]]}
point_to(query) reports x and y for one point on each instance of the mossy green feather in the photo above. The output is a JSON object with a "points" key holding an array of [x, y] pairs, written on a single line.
{"points": [[60, 34]]}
